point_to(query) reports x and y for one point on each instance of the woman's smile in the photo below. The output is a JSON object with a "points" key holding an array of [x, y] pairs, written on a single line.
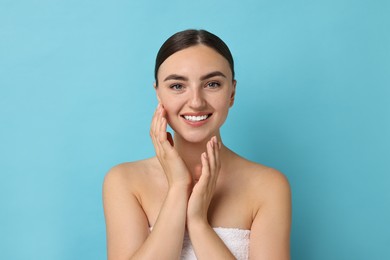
{"points": [[196, 119]]}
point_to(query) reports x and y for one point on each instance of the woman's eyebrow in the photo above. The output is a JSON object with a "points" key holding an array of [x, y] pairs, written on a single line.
{"points": [[212, 74], [183, 78], [176, 77]]}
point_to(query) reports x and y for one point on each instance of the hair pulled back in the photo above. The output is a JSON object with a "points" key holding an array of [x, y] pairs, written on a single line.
{"points": [[188, 38]]}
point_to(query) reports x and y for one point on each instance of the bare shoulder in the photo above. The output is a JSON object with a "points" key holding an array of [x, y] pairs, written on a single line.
{"points": [[131, 174], [272, 179], [266, 182]]}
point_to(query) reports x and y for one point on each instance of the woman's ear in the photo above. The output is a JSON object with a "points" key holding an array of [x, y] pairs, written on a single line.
{"points": [[233, 93], [156, 89]]}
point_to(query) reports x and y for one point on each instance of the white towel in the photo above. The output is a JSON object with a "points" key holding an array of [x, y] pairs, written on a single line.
{"points": [[237, 240]]}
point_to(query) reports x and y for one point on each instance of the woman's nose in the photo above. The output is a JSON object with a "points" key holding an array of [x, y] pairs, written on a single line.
{"points": [[197, 100]]}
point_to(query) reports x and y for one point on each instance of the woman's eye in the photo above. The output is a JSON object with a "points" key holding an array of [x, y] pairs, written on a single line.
{"points": [[176, 87], [213, 85]]}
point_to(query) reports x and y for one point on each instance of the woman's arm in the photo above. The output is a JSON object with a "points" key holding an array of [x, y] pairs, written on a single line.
{"points": [[127, 226], [270, 231], [122, 211], [128, 235]]}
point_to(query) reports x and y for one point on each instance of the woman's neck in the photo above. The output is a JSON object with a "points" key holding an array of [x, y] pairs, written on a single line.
{"points": [[190, 153]]}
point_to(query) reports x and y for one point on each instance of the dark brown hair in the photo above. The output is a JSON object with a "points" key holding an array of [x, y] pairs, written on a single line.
{"points": [[188, 38]]}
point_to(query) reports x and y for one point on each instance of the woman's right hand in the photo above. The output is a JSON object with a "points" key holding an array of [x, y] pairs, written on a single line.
{"points": [[173, 165]]}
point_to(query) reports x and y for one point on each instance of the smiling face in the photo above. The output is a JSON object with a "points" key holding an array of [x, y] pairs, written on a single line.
{"points": [[196, 89]]}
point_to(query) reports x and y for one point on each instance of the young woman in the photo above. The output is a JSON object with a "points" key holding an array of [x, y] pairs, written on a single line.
{"points": [[195, 199]]}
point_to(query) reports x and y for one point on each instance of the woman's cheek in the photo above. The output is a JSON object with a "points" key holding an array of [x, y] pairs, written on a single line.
{"points": [[170, 115]]}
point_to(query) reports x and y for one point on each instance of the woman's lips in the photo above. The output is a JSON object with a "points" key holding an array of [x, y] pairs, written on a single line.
{"points": [[196, 120]]}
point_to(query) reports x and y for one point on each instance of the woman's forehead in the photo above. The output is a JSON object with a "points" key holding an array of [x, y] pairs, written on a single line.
{"points": [[196, 61]]}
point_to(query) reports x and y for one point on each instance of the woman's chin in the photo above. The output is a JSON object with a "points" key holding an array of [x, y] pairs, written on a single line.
{"points": [[195, 138], [195, 135]]}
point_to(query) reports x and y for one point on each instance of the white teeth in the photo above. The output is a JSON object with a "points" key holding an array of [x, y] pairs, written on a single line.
{"points": [[196, 118]]}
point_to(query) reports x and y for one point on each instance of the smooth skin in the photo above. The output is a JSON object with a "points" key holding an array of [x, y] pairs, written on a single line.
{"points": [[194, 182]]}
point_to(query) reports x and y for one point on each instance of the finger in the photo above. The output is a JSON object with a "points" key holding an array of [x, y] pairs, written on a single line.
{"points": [[217, 148], [156, 124], [214, 163], [155, 121], [153, 127], [162, 129], [158, 121], [160, 133], [164, 136], [163, 111], [204, 177], [211, 155]]}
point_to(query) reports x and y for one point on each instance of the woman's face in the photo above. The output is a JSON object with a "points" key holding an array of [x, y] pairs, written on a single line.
{"points": [[196, 89]]}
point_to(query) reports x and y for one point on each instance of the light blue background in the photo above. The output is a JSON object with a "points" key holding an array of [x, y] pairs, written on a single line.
{"points": [[76, 98]]}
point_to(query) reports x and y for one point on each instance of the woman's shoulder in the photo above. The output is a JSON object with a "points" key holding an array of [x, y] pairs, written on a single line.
{"points": [[132, 172], [144, 166], [262, 178]]}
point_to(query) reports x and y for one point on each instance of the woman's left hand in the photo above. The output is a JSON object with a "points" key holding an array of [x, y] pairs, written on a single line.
{"points": [[203, 190]]}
